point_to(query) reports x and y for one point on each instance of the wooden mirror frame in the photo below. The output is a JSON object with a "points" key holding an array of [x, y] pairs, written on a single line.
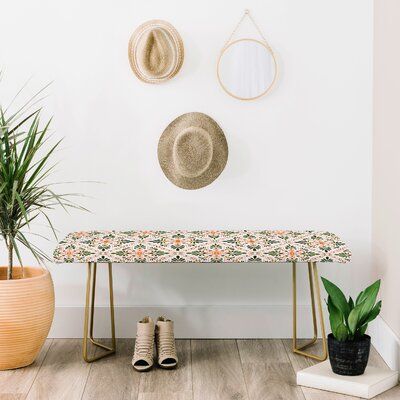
{"points": [[268, 48]]}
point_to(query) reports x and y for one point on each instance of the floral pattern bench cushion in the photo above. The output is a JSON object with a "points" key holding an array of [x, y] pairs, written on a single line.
{"points": [[201, 247]]}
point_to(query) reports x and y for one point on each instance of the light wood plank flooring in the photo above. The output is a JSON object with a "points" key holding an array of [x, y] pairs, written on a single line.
{"points": [[208, 370]]}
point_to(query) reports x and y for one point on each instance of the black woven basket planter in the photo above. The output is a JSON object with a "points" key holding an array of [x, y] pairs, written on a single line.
{"points": [[349, 357]]}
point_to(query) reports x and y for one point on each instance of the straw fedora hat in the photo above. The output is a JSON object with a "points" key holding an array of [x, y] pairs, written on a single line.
{"points": [[155, 51], [192, 151]]}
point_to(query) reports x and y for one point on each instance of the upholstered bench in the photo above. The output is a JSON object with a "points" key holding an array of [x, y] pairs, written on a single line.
{"points": [[201, 247]]}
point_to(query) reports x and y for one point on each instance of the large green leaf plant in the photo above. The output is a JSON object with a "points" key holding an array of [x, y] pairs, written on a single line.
{"points": [[25, 165], [349, 319]]}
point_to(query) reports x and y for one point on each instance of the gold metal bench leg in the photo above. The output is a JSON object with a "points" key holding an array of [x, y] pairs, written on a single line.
{"points": [[314, 285], [89, 314]]}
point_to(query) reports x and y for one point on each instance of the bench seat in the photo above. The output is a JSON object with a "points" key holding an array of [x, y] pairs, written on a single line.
{"points": [[218, 246]]}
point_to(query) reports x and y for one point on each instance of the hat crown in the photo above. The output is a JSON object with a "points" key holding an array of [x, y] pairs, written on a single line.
{"points": [[156, 55], [192, 151]]}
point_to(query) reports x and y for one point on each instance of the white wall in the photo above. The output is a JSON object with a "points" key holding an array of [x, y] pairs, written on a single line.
{"points": [[386, 175], [300, 158]]}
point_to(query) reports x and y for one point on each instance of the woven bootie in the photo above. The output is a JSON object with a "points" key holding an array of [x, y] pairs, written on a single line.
{"points": [[165, 342], [144, 346]]}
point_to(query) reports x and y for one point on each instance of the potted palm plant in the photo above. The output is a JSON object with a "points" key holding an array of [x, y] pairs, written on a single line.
{"points": [[348, 344], [26, 293]]}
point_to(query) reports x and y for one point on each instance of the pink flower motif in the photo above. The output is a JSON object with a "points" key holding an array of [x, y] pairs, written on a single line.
{"points": [[293, 253], [139, 253], [216, 253], [69, 253], [81, 234], [213, 233]]}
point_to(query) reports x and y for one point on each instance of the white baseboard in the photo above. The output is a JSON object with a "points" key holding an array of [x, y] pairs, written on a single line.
{"points": [[385, 342], [266, 321]]}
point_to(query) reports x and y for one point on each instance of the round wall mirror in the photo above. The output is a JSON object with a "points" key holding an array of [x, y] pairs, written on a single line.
{"points": [[247, 69]]}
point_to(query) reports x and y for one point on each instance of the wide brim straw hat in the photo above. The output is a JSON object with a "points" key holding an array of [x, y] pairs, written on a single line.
{"points": [[155, 51], [192, 151]]}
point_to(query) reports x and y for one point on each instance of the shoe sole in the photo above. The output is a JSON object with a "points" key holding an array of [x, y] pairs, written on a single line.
{"points": [[142, 369], [167, 366]]}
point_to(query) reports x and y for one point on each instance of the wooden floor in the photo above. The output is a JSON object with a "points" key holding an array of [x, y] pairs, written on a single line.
{"points": [[208, 370]]}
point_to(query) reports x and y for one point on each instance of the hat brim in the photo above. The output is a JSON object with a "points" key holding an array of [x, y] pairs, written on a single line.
{"points": [[166, 144]]}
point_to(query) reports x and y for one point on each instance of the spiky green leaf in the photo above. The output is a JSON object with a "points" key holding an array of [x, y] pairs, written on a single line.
{"points": [[341, 332], [354, 318], [368, 299], [25, 167], [337, 296], [351, 303]]}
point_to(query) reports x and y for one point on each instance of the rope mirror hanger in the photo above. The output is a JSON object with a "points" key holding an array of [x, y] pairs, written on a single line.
{"points": [[247, 68]]}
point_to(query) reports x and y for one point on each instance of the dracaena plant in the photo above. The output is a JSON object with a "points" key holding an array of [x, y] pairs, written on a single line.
{"points": [[349, 319], [25, 165]]}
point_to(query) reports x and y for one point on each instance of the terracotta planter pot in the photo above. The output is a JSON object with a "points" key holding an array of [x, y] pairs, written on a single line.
{"points": [[26, 314]]}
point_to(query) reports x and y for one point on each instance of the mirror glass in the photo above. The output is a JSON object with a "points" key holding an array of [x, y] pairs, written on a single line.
{"points": [[247, 69]]}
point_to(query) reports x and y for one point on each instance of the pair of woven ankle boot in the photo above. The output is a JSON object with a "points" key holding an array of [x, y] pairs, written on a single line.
{"points": [[162, 333]]}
